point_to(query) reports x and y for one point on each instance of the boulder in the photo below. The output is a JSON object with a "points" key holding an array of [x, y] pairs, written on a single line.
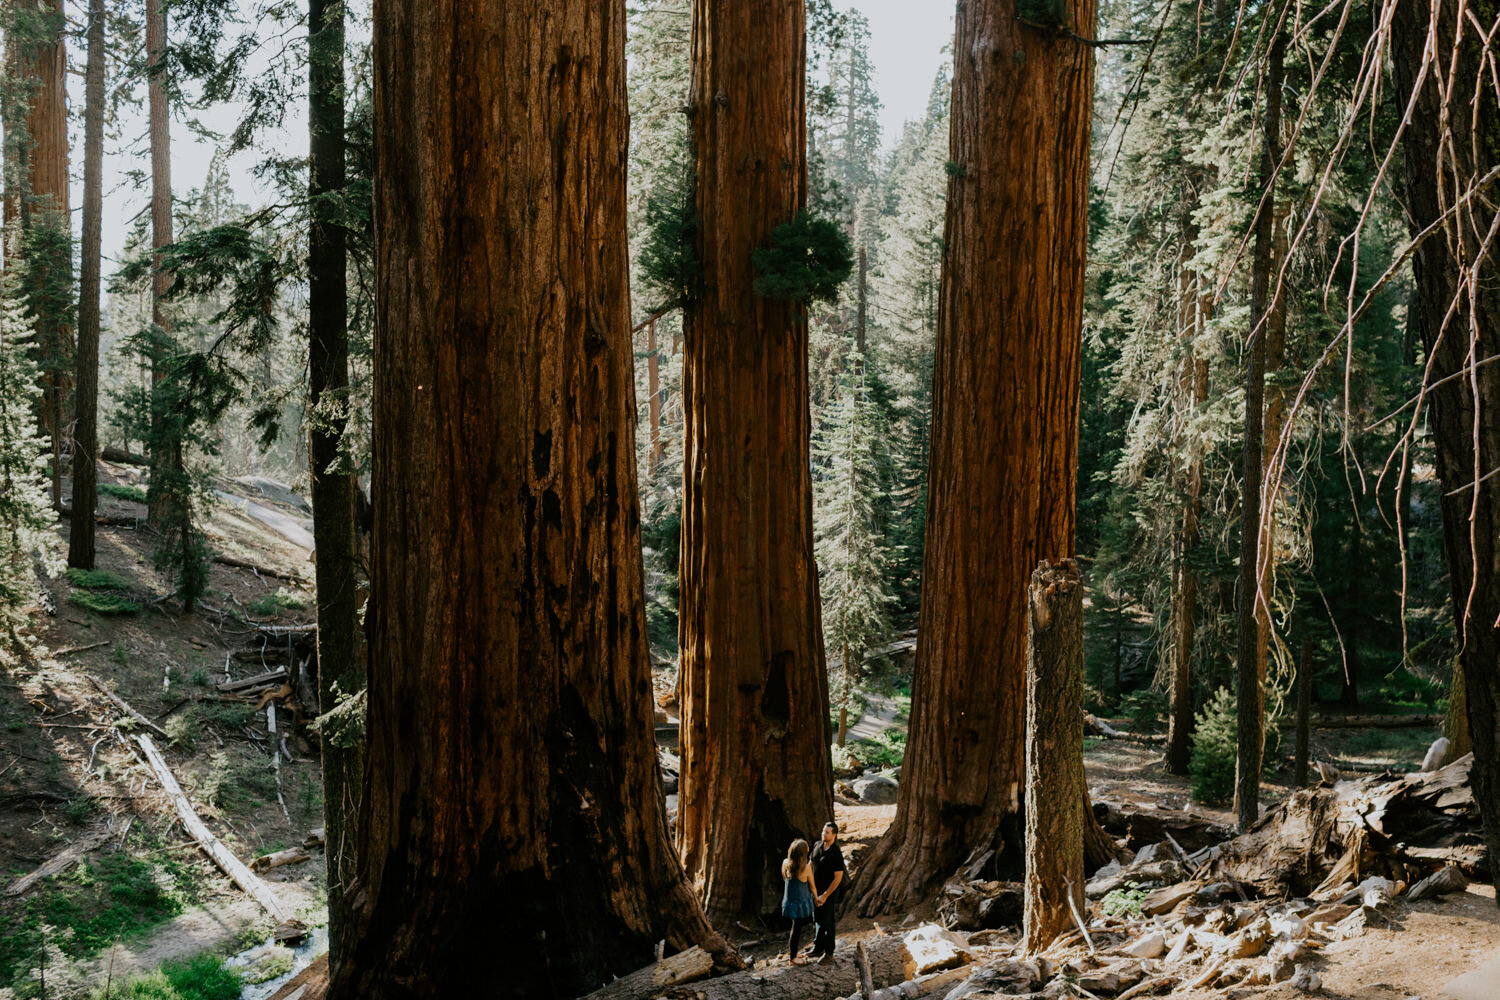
{"points": [[1450, 879], [931, 948], [877, 790], [1004, 976]]}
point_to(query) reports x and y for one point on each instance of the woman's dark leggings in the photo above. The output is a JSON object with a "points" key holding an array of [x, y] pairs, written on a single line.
{"points": [[798, 925]]}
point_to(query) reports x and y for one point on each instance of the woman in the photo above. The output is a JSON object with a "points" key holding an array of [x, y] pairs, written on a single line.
{"points": [[797, 895]]}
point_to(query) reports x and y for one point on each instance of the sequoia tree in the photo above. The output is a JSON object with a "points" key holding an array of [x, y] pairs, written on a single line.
{"points": [[1443, 66], [512, 814], [755, 731], [1005, 435]]}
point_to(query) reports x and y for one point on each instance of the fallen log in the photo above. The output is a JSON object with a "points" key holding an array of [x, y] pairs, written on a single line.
{"points": [[62, 861], [839, 978], [278, 574], [290, 856], [108, 520], [259, 680], [674, 970], [120, 456], [309, 984], [221, 855], [123, 706]]}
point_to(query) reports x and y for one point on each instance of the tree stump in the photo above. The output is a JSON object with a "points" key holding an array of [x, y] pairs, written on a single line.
{"points": [[1055, 787]]}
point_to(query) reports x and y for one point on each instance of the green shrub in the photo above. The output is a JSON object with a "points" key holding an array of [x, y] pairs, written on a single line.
{"points": [[808, 260], [104, 603], [1211, 766], [1124, 902], [97, 579], [1405, 689], [275, 604], [1146, 709], [201, 978], [122, 492], [887, 750]]}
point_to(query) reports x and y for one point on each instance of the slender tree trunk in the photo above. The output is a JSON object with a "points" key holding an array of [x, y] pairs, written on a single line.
{"points": [[1271, 464], [86, 431], [1185, 593], [1005, 437], [512, 815], [756, 768], [653, 404], [1304, 713], [1449, 148], [1251, 666], [340, 667], [1056, 795], [859, 329], [1349, 690], [164, 453], [1456, 722]]}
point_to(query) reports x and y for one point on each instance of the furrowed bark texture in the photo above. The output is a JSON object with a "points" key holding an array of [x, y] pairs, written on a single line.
{"points": [[1450, 147], [755, 729], [1056, 794], [512, 813], [86, 429], [1251, 664], [1005, 436], [44, 66], [340, 668]]}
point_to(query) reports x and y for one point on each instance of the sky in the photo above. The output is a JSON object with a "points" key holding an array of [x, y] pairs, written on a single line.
{"points": [[907, 39]]}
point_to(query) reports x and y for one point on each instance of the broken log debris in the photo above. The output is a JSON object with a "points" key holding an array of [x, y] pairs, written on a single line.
{"points": [[123, 706], [220, 855]]}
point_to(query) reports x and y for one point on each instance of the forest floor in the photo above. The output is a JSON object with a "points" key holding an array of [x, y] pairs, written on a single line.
{"points": [[69, 770]]}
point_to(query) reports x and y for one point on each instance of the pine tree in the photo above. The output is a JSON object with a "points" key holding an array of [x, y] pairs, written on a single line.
{"points": [[853, 563], [27, 527]]}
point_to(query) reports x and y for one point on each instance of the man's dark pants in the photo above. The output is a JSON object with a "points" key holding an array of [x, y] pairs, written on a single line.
{"points": [[826, 917]]}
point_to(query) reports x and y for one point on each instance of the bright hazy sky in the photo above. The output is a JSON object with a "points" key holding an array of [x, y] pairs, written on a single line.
{"points": [[907, 38]]}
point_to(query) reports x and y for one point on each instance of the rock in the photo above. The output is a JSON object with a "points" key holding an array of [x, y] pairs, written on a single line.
{"points": [[931, 948], [669, 784], [1357, 923], [1329, 913], [1450, 879], [877, 790], [1252, 941], [1152, 852], [1147, 946], [1373, 892], [671, 812], [1306, 980], [1435, 754], [1165, 899], [1005, 976], [1281, 963], [1115, 979]]}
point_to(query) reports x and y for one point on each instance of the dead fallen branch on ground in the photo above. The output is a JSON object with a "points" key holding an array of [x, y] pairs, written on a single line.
{"points": [[124, 706], [221, 855]]}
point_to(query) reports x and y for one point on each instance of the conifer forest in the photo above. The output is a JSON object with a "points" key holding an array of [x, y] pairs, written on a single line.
{"points": [[749, 499]]}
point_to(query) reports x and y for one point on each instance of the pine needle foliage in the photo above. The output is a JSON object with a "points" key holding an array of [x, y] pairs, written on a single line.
{"points": [[27, 539], [808, 260]]}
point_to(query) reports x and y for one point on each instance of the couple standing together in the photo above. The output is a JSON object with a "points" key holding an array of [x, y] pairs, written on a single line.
{"points": [[802, 873]]}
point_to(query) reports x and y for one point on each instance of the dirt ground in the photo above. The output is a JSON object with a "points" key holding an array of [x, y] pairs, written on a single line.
{"points": [[68, 766], [1428, 944]]}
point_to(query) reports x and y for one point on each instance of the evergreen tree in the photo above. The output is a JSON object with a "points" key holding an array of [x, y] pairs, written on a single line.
{"points": [[853, 562], [27, 534]]}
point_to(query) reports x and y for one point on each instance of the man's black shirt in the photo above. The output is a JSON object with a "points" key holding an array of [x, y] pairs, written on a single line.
{"points": [[826, 861]]}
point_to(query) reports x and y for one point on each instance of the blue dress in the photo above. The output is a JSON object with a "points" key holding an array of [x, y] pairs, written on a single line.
{"points": [[796, 900]]}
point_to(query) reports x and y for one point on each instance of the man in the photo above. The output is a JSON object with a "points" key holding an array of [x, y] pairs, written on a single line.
{"points": [[828, 871]]}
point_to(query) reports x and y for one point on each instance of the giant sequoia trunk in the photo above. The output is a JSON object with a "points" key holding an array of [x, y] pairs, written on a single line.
{"points": [[45, 216], [339, 665], [86, 430], [755, 730], [1005, 435], [512, 840], [1452, 149]]}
